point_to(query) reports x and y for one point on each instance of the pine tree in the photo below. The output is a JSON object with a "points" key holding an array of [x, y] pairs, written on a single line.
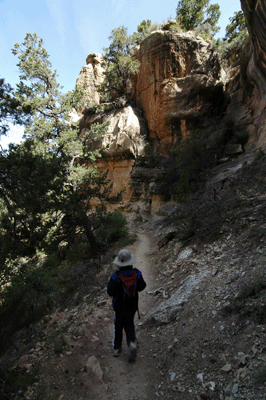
{"points": [[120, 65], [48, 182], [237, 29], [191, 14], [10, 108]]}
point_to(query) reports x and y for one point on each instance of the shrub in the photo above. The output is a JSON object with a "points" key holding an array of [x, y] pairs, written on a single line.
{"points": [[111, 227], [30, 295], [145, 28], [18, 381], [186, 229], [190, 160], [251, 301], [150, 159]]}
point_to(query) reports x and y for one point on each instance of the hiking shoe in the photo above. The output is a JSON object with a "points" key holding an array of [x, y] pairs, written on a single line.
{"points": [[133, 349], [116, 352]]}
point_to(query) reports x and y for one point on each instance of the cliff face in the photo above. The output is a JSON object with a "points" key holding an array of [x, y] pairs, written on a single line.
{"points": [[91, 75], [255, 15], [247, 108], [180, 87], [123, 142], [179, 80]]}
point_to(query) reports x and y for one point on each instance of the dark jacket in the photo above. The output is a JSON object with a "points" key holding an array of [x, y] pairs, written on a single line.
{"points": [[115, 289]]}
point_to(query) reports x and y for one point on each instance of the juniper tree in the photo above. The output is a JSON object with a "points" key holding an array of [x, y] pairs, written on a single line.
{"points": [[47, 183], [120, 65], [191, 14], [10, 108], [237, 29]]}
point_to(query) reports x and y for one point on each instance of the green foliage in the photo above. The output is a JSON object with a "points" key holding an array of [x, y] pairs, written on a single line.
{"points": [[11, 110], [232, 43], [110, 227], [38, 288], [48, 182], [29, 188], [31, 293], [119, 64], [18, 381], [144, 29], [186, 228], [237, 28], [191, 14], [150, 159], [190, 159], [144, 26]]}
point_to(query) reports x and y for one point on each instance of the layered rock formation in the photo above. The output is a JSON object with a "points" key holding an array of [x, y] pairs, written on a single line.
{"points": [[247, 109], [123, 142], [255, 15], [180, 87], [179, 80], [91, 76]]}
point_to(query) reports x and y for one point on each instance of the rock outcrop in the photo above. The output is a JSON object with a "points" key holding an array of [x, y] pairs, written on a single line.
{"points": [[125, 135], [255, 15], [180, 88], [248, 102], [179, 80], [91, 76], [123, 142]]}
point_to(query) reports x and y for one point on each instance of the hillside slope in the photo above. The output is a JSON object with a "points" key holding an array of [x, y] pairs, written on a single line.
{"points": [[212, 345]]}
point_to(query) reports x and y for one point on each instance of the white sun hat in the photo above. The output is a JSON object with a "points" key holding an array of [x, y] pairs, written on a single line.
{"points": [[124, 258]]}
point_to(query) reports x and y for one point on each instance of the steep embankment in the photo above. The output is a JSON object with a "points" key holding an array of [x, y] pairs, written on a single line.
{"points": [[212, 344]]}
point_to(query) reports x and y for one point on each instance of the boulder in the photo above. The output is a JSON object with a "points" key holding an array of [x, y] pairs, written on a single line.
{"points": [[125, 135]]}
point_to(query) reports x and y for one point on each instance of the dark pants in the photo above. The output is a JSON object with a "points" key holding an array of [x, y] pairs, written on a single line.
{"points": [[124, 320]]}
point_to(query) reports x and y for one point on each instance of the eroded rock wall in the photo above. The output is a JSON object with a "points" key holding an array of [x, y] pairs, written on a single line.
{"points": [[123, 142], [248, 105], [180, 86], [179, 80], [91, 76]]}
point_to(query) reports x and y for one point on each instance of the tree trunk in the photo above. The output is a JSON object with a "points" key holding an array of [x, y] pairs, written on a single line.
{"points": [[91, 238]]}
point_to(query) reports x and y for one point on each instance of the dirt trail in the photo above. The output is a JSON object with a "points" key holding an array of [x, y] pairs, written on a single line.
{"points": [[132, 380], [143, 249], [86, 369], [122, 378]]}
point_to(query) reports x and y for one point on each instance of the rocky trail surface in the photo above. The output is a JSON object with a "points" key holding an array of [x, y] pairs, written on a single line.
{"points": [[199, 338], [78, 364]]}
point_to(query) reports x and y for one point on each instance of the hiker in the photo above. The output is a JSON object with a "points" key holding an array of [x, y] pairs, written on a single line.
{"points": [[124, 286]]}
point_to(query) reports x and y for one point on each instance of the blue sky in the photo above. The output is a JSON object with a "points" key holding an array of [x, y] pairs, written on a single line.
{"points": [[72, 29]]}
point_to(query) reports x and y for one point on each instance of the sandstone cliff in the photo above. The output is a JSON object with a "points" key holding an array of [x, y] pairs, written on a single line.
{"points": [[179, 81], [180, 88], [123, 142], [91, 76]]}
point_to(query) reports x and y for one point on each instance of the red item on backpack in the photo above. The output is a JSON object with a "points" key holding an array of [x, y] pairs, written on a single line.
{"points": [[129, 283]]}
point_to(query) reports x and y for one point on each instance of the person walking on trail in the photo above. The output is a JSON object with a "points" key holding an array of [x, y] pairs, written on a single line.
{"points": [[124, 286]]}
